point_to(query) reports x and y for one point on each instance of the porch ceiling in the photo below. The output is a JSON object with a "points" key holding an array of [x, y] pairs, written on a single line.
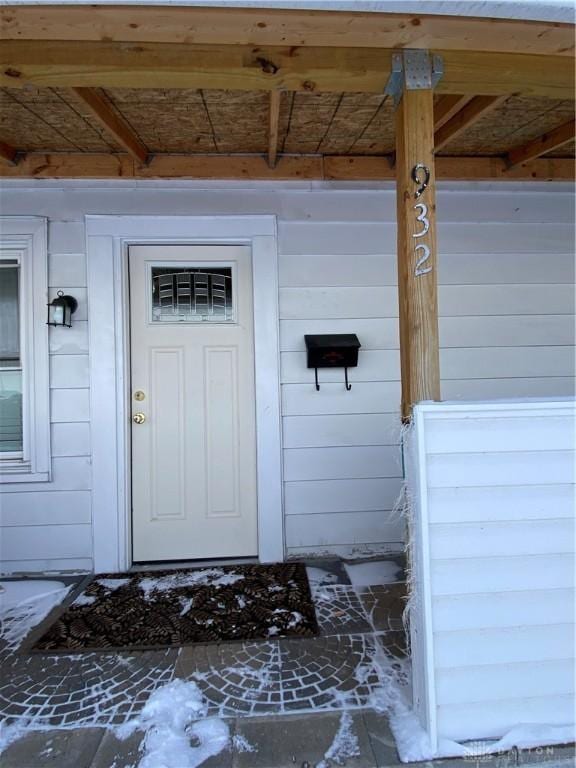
{"points": [[65, 116], [223, 122]]}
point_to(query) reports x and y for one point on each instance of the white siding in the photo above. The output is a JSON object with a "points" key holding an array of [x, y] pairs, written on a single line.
{"points": [[493, 542], [506, 271]]}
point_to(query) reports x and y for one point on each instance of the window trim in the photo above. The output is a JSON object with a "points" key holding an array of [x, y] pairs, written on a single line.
{"points": [[28, 236]]}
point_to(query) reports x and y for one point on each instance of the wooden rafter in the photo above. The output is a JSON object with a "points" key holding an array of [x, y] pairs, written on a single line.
{"points": [[8, 153], [467, 116], [543, 144], [112, 123], [446, 107], [264, 27], [308, 69], [288, 167], [273, 128]]}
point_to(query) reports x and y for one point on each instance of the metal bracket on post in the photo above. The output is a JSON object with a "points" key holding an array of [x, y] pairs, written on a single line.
{"points": [[413, 69]]}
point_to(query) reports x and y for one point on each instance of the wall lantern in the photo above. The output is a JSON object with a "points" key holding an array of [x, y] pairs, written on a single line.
{"points": [[61, 309]]}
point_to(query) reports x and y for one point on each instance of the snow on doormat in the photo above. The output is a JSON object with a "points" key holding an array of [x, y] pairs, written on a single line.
{"points": [[172, 608]]}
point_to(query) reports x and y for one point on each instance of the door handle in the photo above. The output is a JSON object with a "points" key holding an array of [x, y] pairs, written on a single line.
{"points": [[139, 418]]}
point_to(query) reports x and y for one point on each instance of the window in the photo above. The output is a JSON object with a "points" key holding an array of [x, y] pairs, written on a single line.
{"points": [[11, 433], [192, 294], [24, 393]]}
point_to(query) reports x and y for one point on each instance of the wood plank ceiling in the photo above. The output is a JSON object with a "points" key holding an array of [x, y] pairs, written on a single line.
{"points": [[291, 133]]}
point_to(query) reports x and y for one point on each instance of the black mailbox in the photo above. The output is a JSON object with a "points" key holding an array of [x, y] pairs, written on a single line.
{"points": [[333, 350]]}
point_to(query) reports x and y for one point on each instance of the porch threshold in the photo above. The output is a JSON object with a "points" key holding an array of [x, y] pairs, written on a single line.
{"points": [[175, 565]]}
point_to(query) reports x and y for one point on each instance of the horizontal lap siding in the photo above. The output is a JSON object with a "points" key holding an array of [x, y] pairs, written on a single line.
{"points": [[518, 680], [70, 409], [22, 543], [502, 715], [37, 508], [471, 575], [499, 488], [513, 608], [335, 430], [506, 306], [505, 502], [335, 463], [505, 270], [513, 538], [48, 526]]}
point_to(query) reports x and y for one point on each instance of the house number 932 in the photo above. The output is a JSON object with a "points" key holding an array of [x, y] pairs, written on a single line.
{"points": [[421, 177]]}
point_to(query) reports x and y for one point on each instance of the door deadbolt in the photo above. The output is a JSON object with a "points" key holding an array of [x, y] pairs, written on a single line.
{"points": [[139, 395]]}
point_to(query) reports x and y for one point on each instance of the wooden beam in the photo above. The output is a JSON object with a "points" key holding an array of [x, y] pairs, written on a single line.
{"points": [[8, 153], [119, 65], [482, 74], [112, 123], [467, 116], [289, 167], [264, 27], [363, 168], [273, 128], [446, 107], [416, 249], [543, 144], [361, 70]]}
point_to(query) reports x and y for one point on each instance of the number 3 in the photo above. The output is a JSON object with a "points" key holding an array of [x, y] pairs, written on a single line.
{"points": [[422, 219]]}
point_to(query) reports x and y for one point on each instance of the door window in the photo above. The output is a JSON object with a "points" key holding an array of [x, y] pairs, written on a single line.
{"points": [[192, 294]]}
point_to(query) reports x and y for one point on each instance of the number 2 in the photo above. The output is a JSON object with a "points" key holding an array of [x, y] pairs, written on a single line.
{"points": [[420, 270]]}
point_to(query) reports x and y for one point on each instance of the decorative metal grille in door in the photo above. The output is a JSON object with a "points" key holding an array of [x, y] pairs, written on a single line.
{"points": [[192, 295]]}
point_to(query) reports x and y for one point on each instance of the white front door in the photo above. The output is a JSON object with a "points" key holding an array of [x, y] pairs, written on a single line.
{"points": [[193, 402]]}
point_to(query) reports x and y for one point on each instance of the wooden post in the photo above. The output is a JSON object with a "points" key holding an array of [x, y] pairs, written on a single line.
{"points": [[417, 264]]}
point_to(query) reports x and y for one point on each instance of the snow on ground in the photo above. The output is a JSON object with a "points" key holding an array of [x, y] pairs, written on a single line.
{"points": [[177, 732], [241, 744], [83, 599], [11, 733], [112, 584], [186, 603], [179, 735], [373, 573], [24, 604], [319, 578], [344, 746], [13, 593], [207, 576], [413, 743]]}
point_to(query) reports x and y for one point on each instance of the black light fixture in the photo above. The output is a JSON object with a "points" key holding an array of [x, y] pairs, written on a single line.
{"points": [[61, 309]]}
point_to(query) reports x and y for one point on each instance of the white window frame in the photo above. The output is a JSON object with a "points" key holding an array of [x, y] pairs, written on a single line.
{"points": [[26, 236]]}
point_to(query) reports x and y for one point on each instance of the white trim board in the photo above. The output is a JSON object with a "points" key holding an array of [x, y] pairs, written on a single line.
{"points": [[107, 241]]}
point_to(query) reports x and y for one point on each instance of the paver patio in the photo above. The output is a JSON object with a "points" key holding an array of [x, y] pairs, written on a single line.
{"points": [[283, 697]]}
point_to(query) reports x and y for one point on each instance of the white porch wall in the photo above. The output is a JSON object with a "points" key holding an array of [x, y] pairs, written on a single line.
{"points": [[506, 278], [492, 607]]}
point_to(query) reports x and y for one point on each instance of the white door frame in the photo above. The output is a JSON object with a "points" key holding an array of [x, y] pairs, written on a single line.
{"points": [[107, 241]]}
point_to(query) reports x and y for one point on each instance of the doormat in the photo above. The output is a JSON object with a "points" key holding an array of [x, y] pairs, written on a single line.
{"points": [[158, 609]]}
